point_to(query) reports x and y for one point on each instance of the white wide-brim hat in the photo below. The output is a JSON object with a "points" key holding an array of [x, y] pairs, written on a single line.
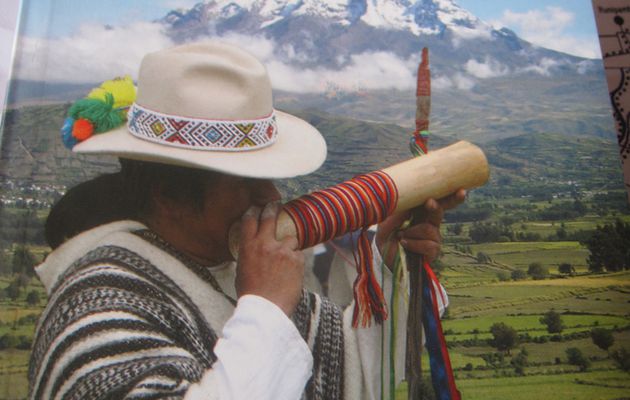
{"points": [[209, 106]]}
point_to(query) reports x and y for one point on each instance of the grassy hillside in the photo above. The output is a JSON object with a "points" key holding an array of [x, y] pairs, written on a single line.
{"points": [[536, 177], [535, 162], [493, 109]]}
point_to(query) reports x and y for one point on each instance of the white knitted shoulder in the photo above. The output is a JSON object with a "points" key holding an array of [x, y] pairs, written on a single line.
{"points": [[63, 256], [214, 306]]}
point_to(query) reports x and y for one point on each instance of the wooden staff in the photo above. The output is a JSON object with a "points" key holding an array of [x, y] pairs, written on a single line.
{"points": [[436, 175], [419, 147]]}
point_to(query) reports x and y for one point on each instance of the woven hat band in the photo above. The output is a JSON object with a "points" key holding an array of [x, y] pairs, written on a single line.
{"points": [[201, 134]]}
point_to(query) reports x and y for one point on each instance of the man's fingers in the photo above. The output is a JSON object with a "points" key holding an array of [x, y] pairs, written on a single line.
{"points": [[249, 223], [434, 209], [433, 212], [425, 231], [268, 218], [291, 242], [394, 221], [427, 248], [453, 200]]}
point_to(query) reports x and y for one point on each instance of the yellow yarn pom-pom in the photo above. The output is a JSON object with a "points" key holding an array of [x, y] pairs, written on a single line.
{"points": [[122, 89]]}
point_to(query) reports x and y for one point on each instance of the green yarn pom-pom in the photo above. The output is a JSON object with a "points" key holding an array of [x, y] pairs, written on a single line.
{"points": [[101, 113]]}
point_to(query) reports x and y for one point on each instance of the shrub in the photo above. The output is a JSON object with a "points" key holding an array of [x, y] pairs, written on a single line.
{"points": [[602, 338], [553, 321], [621, 357], [518, 275], [482, 257], [24, 342], [503, 276], [609, 247], [566, 268], [33, 298], [504, 336], [23, 261], [13, 290], [575, 357], [9, 341], [537, 271], [520, 362]]}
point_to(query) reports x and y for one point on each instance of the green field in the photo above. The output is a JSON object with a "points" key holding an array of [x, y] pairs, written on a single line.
{"points": [[13, 370], [585, 301], [478, 299], [521, 254], [561, 386]]}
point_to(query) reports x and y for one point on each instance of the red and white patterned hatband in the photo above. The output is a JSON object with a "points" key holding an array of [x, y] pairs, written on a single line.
{"points": [[201, 134]]}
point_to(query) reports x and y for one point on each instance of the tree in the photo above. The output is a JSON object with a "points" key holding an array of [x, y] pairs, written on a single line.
{"points": [[561, 233], [9, 341], [518, 275], [537, 271], [5, 265], [504, 337], [553, 321], [575, 357], [455, 229], [23, 261], [566, 269], [494, 360], [482, 257], [520, 361], [503, 276], [602, 338], [33, 298], [489, 232], [609, 247], [13, 290], [621, 357]]}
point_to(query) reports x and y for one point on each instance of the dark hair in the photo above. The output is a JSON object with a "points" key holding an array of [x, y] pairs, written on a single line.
{"points": [[140, 180], [127, 194], [89, 204]]}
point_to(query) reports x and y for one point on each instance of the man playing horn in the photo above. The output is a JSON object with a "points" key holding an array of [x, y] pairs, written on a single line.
{"points": [[145, 299]]}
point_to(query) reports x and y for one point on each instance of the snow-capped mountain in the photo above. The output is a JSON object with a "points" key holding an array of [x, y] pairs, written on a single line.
{"points": [[358, 58], [354, 51], [417, 17], [327, 33]]}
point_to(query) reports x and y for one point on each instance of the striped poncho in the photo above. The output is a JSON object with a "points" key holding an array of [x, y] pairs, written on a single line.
{"points": [[130, 318]]}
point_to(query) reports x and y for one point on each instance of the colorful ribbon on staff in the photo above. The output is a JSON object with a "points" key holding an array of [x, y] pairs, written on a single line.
{"points": [[441, 371]]}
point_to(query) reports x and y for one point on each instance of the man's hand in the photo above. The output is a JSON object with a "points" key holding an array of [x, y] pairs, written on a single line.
{"points": [[266, 267], [423, 237]]}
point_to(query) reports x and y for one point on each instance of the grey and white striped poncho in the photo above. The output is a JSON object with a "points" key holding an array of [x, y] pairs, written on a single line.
{"points": [[118, 326]]}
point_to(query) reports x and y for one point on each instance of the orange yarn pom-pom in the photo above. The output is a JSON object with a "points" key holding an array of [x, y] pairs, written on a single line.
{"points": [[82, 129]]}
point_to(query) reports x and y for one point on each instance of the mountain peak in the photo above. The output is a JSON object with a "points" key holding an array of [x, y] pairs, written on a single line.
{"points": [[335, 33], [428, 17]]}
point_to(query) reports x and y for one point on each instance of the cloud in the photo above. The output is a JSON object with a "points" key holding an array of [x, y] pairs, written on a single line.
{"points": [[261, 47], [544, 67], [463, 82], [548, 28], [488, 69], [463, 33], [459, 81], [95, 53]]}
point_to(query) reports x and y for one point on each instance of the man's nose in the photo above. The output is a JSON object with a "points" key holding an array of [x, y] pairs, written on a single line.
{"points": [[264, 191]]}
